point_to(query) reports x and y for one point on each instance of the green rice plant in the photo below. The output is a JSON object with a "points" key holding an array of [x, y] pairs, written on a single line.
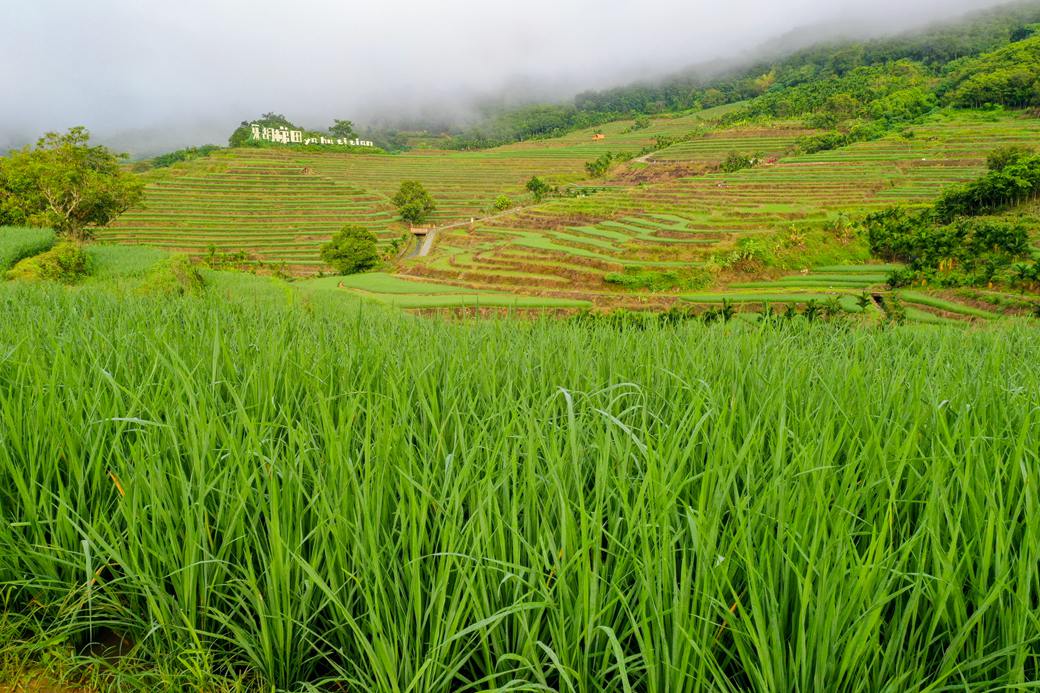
{"points": [[326, 495], [17, 243]]}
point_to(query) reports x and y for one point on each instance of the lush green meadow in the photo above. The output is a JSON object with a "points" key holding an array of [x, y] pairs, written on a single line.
{"points": [[308, 493]]}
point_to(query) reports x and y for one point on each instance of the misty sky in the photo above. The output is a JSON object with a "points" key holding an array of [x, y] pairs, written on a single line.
{"points": [[128, 69]]}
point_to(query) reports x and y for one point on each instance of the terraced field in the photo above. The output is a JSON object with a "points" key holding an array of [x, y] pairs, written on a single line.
{"points": [[566, 247], [281, 205], [275, 209]]}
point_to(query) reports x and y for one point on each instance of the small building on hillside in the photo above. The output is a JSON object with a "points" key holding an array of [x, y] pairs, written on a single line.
{"points": [[599, 136]]}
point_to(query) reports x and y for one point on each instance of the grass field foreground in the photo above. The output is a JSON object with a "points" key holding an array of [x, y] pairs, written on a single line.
{"points": [[231, 495]]}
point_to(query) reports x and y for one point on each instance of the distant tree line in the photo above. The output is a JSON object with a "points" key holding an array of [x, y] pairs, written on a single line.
{"points": [[893, 79]]}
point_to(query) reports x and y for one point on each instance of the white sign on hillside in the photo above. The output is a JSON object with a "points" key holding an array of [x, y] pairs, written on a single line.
{"points": [[284, 135]]}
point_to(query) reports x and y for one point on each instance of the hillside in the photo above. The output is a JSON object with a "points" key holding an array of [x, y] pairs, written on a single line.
{"points": [[752, 202]]}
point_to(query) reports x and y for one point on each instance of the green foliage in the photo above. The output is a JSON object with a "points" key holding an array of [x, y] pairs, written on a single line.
{"points": [[635, 279], [843, 97], [966, 252], [501, 203], [640, 122], [810, 144], [343, 128], [177, 275], [343, 498], [243, 134], [600, 166], [413, 202], [19, 243], [538, 188], [187, 154], [65, 184], [1002, 157], [905, 105], [1009, 76], [354, 249], [1017, 180], [66, 262], [827, 83], [737, 162]]}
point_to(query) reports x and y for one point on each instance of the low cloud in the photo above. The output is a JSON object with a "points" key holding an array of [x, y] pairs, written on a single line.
{"points": [[150, 75]]}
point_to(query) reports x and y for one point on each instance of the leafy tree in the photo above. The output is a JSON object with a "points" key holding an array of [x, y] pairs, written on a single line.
{"points": [[538, 188], [413, 203], [352, 250], [501, 204], [243, 134], [1002, 157], [342, 128], [66, 184]]}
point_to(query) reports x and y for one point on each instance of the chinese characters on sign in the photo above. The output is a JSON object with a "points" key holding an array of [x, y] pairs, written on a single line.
{"points": [[286, 136]]}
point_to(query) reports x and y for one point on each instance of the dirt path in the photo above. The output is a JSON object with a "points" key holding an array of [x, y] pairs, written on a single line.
{"points": [[424, 244]]}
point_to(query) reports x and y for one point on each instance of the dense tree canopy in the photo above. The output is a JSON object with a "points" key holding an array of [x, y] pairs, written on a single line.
{"points": [[66, 184], [1009, 76]]}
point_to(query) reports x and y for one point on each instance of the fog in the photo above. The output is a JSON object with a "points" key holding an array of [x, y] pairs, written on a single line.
{"points": [[148, 76]]}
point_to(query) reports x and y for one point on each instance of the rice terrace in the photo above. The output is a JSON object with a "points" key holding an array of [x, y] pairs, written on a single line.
{"points": [[707, 363]]}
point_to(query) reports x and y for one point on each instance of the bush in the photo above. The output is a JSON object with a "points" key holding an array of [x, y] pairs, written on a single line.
{"points": [[501, 203], [966, 252], [187, 154], [737, 162], [176, 276], [811, 144], [66, 262], [599, 167], [352, 250]]}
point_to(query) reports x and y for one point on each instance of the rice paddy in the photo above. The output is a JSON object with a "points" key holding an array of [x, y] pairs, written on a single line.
{"points": [[308, 493], [280, 206]]}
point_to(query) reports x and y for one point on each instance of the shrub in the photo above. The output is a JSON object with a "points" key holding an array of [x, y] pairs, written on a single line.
{"points": [[187, 154], [352, 250], [599, 167], [737, 162], [501, 203], [176, 275], [811, 144], [66, 262]]}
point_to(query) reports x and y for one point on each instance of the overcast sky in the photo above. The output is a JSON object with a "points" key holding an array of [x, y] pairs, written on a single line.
{"points": [[146, 74]]}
